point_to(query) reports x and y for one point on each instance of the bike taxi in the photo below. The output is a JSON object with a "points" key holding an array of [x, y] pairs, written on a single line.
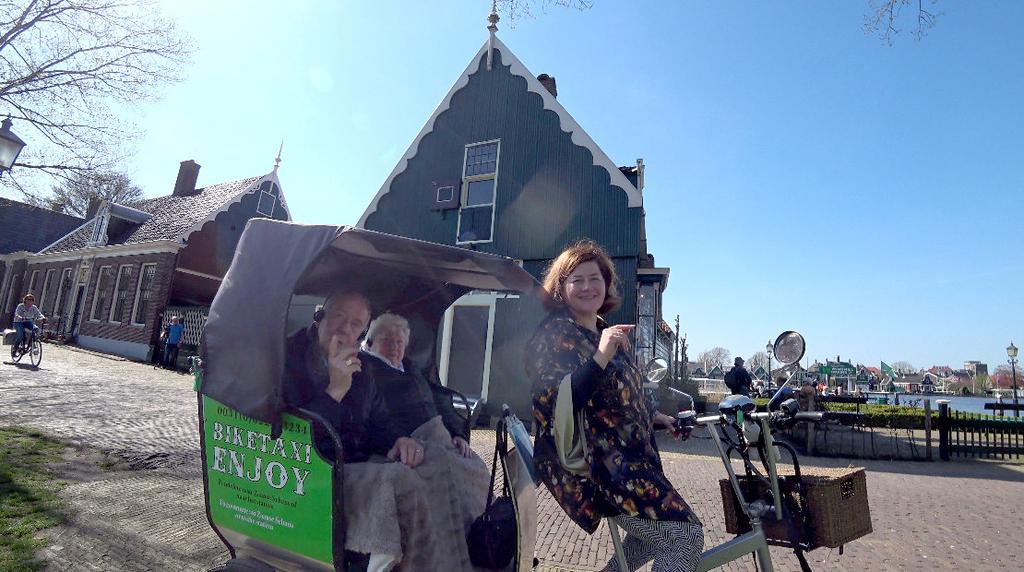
{"points": [[272, 498]]}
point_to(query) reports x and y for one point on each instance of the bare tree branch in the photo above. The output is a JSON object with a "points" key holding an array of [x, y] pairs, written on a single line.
{"points": [[517, 10], [67, 66], [715, 356], [884, 18], [74, 193]]}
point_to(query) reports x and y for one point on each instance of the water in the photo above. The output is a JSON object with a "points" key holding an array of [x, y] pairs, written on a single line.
{"points": [[959, 403]]}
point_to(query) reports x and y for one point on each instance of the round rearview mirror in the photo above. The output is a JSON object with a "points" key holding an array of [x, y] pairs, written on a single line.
{"points": [[790, 347], [657, 370]]}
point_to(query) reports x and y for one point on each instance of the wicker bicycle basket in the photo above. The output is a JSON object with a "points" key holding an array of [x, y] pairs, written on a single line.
{"points": [[836, 506]]}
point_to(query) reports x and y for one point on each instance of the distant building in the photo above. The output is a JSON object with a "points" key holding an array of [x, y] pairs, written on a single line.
{"points": [[25, 230], [976, 368], [111, 281], [694, 369]]}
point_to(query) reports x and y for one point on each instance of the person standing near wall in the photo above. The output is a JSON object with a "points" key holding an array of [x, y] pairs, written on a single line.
{"points": [[172, 335]]}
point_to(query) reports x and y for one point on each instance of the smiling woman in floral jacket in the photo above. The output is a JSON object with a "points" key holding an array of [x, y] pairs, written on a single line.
{"points": [[595, 439]]}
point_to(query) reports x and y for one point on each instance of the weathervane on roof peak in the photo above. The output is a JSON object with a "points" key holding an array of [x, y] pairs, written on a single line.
{"points": [[277, 161], [492, 27]]}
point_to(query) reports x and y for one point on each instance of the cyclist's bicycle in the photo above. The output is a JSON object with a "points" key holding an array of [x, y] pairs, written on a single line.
{"points": [[31, 346]]}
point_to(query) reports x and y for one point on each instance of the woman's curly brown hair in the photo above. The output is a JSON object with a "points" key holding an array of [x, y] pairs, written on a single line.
{"points": [[568, 261]]}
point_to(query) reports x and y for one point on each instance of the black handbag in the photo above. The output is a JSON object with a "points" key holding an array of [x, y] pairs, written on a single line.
{"points": [[492, 538]]}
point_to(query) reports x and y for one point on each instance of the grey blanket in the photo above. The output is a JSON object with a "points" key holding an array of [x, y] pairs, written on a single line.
{"points": [[418, 515]]}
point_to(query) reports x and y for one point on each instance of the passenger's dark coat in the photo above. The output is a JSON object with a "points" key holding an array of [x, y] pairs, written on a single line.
{"points": [[409, 396], [361, 418]]}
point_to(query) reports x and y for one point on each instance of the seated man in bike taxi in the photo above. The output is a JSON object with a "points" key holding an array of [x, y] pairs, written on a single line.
{"points": [[435, 497], [25, 316]]}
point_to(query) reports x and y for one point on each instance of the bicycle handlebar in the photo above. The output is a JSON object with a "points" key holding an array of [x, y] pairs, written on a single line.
{"points": [[773, 417]]}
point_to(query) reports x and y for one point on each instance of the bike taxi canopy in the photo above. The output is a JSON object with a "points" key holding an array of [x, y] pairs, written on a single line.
{"points": [[243, 347]]}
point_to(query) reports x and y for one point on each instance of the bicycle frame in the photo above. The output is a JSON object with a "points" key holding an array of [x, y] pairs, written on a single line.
{"points": [[754, 541]]}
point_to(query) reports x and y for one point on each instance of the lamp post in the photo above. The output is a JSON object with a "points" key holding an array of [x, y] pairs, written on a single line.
{"points": [[768, 350], [10, 146], [1012, 352]]}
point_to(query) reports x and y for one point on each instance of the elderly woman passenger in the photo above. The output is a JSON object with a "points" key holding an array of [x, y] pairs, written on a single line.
{"points": [[406, 392]]}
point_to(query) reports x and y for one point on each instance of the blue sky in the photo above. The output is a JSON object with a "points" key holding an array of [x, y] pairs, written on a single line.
{"points": [[800, 174]]}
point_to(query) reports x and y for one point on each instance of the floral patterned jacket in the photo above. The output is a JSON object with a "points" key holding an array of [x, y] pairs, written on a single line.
{"points": [[626, 475]]}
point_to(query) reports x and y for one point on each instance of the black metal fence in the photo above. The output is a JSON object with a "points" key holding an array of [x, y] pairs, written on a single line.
{"points": [[968, 435]]}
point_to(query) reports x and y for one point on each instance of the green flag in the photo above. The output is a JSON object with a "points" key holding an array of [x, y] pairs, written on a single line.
{"points": [[886, 369]]}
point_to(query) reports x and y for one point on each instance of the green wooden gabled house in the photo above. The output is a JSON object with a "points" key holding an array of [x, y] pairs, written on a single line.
{"points": [[502, 167]]}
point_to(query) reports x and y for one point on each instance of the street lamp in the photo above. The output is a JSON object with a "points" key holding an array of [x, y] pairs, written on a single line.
{"points": [[10, 146], [768, 350], [1012, 352]]}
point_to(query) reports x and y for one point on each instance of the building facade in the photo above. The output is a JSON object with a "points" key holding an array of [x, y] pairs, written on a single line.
{"points": [[111, 283], [24, 230], [502, 167]]}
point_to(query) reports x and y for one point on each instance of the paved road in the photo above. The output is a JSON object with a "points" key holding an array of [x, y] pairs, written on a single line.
{"points": [[146, 511]]}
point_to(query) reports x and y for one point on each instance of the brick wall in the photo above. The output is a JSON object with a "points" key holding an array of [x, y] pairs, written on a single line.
{"points": [[45, 300], [127, 331]]}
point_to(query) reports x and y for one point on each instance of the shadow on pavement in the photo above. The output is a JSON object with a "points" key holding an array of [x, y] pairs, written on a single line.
{"points": [[24, 366]]}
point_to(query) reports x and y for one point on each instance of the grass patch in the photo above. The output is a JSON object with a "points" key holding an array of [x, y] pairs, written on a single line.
{"points": [[28, 495]]}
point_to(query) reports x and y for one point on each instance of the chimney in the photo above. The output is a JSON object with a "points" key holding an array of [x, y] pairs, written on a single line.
{"points": [[549, 83], [188, 174]]}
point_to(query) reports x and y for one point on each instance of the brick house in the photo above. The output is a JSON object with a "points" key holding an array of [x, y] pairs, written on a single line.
{"points": [[24, 230], [112, 282]]}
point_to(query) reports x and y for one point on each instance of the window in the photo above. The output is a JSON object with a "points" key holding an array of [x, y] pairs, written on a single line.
{"points": [[445, 194], [101, 294], [646, 324], [62, 291], [13, 292], [143, 293], [479, 179], [268, 194], [120, 307], [48, 293], [32, 284]]}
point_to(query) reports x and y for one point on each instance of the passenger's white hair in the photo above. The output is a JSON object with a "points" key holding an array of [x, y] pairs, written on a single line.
{"points": [[388, 320]]}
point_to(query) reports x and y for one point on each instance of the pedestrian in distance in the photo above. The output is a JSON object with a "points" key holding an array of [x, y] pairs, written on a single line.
{"points": [[738, 379], [172, 336]]}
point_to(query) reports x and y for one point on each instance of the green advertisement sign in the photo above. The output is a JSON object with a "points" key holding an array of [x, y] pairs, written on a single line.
{"points": [[838, 369], [277, 491]]}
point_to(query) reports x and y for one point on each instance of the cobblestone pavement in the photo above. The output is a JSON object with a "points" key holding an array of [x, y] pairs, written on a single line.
{"points": [[147, 513]]}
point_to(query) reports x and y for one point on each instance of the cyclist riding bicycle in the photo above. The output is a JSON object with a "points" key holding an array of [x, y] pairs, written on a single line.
{"points": [[25, 316]]}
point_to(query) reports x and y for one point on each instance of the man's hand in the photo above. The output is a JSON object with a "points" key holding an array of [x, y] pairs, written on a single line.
{"points": [[342, 364], [408, 451], [342, 360], [462, 446]]}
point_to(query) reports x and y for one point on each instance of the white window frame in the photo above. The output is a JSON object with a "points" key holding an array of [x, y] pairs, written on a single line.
{"points": [[96, 293], [65, 273], [32, 282], [10, 291], [46, 286], [259, 200], [475, 298], [138, 292], [465, 190], [8, 286], [450, 188], [113, 298]]}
